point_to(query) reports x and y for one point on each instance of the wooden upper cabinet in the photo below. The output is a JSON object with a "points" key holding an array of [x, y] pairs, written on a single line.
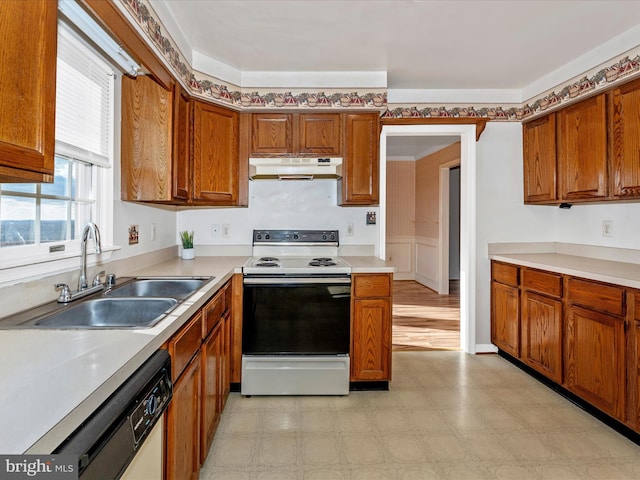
{"points": [[319, 134], [360, 168], [215, 155], [181, 144], [624, 128], [271, 134], [294, 134], [146, 145], [539, 144], [28, 34], [582, 150]]}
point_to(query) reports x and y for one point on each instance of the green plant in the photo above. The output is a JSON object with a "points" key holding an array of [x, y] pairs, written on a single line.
{"points": [[187, 239]]}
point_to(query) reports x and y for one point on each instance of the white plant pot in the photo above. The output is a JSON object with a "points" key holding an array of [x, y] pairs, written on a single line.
{"points": [[188, 253]]}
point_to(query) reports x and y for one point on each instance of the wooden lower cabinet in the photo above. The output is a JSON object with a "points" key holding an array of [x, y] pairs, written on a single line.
{"points": [[212, 349], [505, 318], [594, 359], [371, 327], [541, 333], [183, 425], [200, 388]]}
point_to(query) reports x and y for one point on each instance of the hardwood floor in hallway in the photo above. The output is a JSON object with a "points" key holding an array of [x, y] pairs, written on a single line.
{"points": [[424, 320]]}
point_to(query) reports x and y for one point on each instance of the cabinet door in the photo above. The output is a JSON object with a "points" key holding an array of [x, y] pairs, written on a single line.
{"points": [[183, 425], [505, 318], [215, 155], [582, 150], [625, 140], [211, 356], [594, 359], [635, 377], [539, 142], [360, 169], [181, 144], [541, 346], [28, 34], [371, 340], [319, 134], [146, 140], [272, 134]]}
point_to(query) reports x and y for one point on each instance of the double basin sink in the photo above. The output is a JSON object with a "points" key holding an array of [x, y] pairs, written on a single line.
{"points": [[139, 303]]}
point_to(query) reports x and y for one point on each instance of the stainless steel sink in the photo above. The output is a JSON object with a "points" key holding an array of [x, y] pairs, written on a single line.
{"points": [[158, 287], [108, 313]]}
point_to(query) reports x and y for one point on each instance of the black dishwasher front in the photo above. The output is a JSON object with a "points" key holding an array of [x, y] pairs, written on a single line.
{"points": [[109, 439]]}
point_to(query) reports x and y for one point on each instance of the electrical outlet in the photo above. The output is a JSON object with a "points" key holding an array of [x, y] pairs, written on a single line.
{"points": [[215, 230], [133, 234], [371, 218], [607, 228], [226, 230], [350, 229]]}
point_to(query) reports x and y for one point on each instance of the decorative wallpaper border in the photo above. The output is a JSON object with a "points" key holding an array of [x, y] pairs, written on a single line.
{"points": [[202, 85]]}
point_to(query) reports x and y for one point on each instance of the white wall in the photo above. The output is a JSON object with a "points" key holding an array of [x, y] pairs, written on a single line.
{"points": [[501, 215], [282, 205], [583, 224]]}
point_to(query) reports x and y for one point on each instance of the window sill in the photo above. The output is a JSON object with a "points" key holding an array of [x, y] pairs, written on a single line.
{"points": [[14, 271]]}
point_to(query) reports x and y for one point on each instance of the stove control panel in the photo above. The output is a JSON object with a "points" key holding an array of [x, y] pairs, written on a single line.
{"points": [[301, 237]]}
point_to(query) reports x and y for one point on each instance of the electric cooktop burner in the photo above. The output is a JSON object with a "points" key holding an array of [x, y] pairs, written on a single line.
{"points": [[269, 259], [267, 264], [322, 262]]}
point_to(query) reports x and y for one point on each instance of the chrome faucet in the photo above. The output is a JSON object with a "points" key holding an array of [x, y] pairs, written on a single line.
{"points": [[84, 289], [89, 228]]}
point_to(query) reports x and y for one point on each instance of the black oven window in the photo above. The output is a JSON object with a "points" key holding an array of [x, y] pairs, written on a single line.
{"points": [[296, 319]]}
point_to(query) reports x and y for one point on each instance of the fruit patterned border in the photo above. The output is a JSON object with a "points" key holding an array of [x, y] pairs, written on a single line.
{"points": [[202, 85]]}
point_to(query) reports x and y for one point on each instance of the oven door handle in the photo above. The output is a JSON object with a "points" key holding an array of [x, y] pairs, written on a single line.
{"points": [[291, 280]]}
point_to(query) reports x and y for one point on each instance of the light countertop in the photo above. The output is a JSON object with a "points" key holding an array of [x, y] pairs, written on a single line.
{"points": [[618, 273], [52, 380]]}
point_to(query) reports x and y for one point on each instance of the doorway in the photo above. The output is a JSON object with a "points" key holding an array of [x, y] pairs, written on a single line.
{"points": [[467, 135]]}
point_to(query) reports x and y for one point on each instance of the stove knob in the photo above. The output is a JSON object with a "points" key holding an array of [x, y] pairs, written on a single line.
{"points": [[333, 236], [295, 236], [259, 236], [324, 236], [267, 236]]}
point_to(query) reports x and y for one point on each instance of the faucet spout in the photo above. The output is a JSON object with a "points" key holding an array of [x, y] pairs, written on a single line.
{"points": [[90, 229]]}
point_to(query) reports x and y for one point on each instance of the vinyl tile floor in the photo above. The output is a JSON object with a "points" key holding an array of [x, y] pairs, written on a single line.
{"points": [[447, 415]]}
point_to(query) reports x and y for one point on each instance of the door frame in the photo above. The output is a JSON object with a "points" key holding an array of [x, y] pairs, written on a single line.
{"points": [[467, 134], [443, 227]]}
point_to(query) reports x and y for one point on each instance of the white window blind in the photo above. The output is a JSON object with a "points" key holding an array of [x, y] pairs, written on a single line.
{"points": [[83, 90]]}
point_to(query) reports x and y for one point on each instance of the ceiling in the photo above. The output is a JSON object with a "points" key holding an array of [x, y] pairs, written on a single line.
{"points": [[420, 44]]}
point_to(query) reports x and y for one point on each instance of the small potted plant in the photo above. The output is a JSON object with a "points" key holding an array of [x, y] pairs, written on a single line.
{"points": [[188, 252]]}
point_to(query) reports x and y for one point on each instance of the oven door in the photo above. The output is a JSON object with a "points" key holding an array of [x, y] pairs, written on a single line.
{"points": [[296, 315]]}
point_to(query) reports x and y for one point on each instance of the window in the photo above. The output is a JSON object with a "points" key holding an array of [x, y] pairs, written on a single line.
{"points": [[34, 217]]}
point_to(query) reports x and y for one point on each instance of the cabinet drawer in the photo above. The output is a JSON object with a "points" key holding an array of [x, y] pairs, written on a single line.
{"points": [[542, 282], [598, 296], [371, 286], [504, 273], [184, 345], [213, 312]]}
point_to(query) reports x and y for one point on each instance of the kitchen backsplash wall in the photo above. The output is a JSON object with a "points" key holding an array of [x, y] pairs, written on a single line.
{"points": [[281, 205]]}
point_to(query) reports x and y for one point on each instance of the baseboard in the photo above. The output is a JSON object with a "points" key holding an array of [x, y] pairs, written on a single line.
{"points": [[486, 348]]}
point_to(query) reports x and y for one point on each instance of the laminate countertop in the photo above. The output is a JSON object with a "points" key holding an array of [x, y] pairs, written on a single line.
{"points": [[52, 380], [608, 271]]}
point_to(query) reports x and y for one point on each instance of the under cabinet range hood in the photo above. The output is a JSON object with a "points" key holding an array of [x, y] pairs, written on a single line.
{"points": [[294, 168]]}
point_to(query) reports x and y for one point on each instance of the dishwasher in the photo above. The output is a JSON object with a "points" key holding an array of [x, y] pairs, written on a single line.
{"points": [[123, 438]]}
